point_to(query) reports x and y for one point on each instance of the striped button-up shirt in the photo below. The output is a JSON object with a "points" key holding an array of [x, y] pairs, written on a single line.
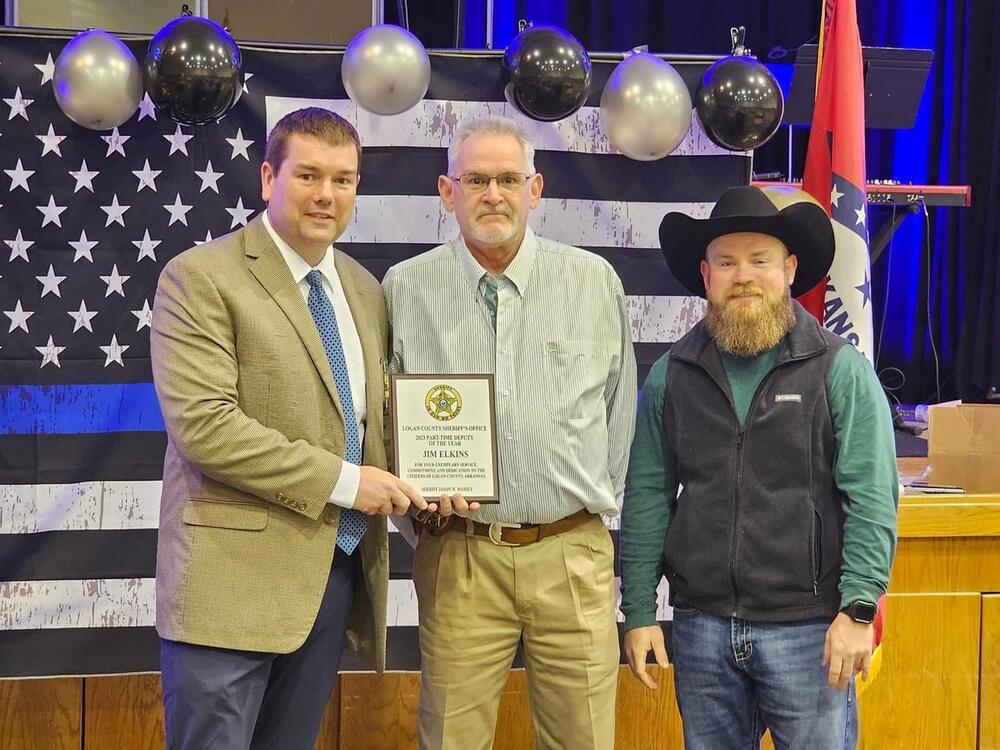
{"points": [[562, 360]]}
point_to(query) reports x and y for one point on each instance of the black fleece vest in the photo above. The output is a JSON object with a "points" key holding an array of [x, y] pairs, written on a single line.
{"points": [[758, 526]]}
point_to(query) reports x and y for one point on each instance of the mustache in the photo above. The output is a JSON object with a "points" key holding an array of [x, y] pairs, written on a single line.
{"points": [[504, 211], [741, 289]]}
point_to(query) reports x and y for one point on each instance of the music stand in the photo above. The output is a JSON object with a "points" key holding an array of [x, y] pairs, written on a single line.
{"points": [[894, 84]]}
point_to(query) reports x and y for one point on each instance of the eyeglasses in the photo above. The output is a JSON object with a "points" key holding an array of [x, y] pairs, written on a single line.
{"points": [[507, 182]]}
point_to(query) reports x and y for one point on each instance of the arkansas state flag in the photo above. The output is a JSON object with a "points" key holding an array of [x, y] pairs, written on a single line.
{"points": [[835, 176]]}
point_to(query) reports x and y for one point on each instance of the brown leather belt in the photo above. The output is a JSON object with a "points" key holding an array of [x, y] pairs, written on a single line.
{"points": [[525, 533]]}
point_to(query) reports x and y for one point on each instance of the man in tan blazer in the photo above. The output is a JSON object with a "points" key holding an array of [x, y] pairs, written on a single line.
{"points": [[268, 350]]}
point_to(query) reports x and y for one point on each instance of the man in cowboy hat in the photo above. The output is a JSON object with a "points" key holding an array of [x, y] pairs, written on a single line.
{"points": [[779, 543]]}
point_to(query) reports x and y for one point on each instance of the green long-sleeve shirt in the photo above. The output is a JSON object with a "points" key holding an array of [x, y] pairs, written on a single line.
{"points": [[864, 470]]}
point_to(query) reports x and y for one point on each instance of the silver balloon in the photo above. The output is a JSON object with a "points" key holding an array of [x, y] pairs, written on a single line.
{"points": [[645, 107], [386, 69], [97, 80]]}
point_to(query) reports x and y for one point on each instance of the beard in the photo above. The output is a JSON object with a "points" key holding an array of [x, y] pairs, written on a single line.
{"points": [[746, 329], [494, 233]]}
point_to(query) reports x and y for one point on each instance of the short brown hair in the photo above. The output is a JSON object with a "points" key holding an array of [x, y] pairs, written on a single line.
{"points": [[314, 121]]}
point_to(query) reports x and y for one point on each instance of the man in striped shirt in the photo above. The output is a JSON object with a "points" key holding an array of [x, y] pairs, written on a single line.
{"points": [[549, 322]]}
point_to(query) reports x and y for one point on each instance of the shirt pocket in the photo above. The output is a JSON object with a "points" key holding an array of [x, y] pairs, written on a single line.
{"points": [[575, 373]]}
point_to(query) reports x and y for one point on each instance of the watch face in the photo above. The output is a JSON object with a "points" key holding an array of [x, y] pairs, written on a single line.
{"points": [[862, 611]]}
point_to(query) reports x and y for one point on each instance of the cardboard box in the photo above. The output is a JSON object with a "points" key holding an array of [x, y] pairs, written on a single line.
{"points": [[964, 446]]}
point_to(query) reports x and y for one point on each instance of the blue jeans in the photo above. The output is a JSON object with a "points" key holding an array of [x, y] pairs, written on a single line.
{"points": [[735, 678]]}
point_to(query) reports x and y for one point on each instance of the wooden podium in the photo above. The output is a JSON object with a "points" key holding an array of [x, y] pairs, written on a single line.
{"points": [[939, 685]]}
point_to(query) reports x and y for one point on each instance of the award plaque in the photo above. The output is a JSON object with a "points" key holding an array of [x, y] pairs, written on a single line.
{"points": [[444, 435]]}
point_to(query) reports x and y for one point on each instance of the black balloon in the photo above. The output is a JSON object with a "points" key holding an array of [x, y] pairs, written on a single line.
{"points": [[739, 103], [193, 70], [547, 73]]}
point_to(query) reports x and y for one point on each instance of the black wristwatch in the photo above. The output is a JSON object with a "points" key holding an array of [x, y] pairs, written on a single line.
{"points": [[861, 611]]}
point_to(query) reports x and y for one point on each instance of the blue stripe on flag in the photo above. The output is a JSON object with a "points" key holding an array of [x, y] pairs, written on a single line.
{"points": [[69, 409]]}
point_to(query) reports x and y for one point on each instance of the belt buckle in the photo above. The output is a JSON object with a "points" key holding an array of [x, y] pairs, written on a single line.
{"points": [[496, 530]]}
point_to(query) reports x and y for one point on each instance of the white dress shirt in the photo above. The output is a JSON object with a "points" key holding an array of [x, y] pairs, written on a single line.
{"points": [[346, 489]]}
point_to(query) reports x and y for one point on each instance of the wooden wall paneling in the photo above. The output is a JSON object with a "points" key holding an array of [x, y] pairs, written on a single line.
{"points": [[989, 685], [647, 719], [127, 712], [123, 712], [328, 737], [514, 728], [40, 714], [940, 565], [379, 712], [975, 516], [926, 693]]}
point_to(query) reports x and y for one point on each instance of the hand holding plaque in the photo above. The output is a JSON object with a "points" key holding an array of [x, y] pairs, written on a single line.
{"points": [[444, 435]]}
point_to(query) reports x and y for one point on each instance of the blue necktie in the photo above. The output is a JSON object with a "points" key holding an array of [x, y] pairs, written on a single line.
{"points": [[352, 522]]}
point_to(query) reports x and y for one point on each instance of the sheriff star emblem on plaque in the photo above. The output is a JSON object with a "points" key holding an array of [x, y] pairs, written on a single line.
{"points": [[443, 402]]}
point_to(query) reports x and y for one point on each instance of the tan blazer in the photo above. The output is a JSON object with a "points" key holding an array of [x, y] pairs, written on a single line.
{"points": [[255, 439]]}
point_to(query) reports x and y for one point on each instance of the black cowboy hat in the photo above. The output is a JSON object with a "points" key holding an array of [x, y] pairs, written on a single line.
{"points": [[804, 228]]}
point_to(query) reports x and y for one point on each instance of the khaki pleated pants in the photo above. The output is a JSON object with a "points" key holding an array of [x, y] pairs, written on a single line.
{"points": [[478, 600]]}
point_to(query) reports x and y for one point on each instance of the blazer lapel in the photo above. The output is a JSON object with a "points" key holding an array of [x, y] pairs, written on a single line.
{"points": [[269, 268]]}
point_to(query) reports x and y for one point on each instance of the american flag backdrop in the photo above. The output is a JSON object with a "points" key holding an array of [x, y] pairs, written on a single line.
{"points": [[88, 220]]}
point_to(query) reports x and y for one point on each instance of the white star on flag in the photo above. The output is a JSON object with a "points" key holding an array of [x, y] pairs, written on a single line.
{"points": [[18, 318], [116, 142], [114, 352], [18, 105], [146, 247], [145, 316], [178, 211], [50, 353], [82, 317], [239, 214], [178, 141], [115, 212], [50, 142], [19, 176], [47, 68], [50, 213], [147, 177], [147, 108], [209, 179], [83, 246], [860, 212], [240, 145], [835, 196], [115, 282], [19, 247], [50, 282], [208, 238], [84, 177], [246, 80]]}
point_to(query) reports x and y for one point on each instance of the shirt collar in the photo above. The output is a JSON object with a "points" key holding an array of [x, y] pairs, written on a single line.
{"points": [[296, 263], [518, 271]]}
